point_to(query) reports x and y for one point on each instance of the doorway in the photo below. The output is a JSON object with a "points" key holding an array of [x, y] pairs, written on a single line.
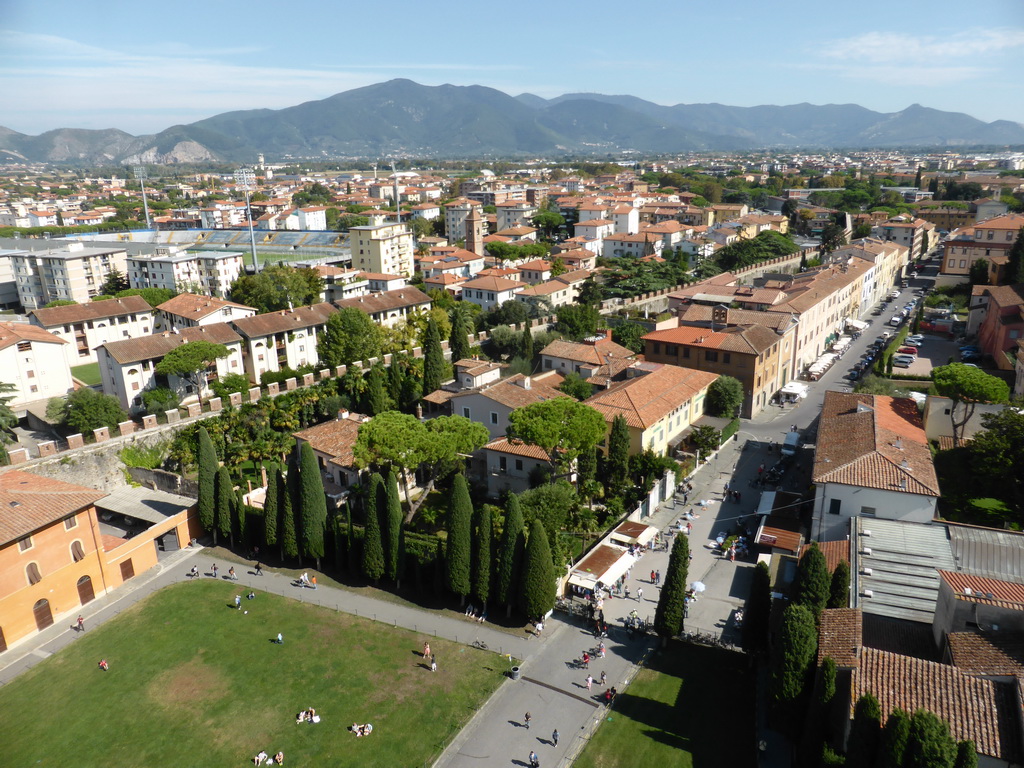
{"points": [[85, 591], [44, 618]]}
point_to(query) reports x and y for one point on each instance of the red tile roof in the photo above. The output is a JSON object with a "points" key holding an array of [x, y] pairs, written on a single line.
{"points": [[14, 333], [94, 310], [995, 653], [154, 347], [647, 399], [195, 307], [985, 591], [517, 448], [840, 636], [30, 502], [334, 438]]}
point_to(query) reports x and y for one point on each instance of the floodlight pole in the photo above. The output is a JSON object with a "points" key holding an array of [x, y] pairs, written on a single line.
{"points": [[246, 179], [140, 174]]}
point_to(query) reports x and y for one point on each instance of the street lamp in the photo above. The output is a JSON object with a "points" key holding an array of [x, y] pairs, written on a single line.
{"points": [[245, 179], [140, 174]]}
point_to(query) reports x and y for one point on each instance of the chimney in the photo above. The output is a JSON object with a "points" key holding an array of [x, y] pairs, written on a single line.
{"points": [[342, 415], [526, 383], [608, 334]]}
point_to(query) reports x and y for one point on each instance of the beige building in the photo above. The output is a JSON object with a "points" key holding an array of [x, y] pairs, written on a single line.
{"points": [[390, 307], [209, 272], [285, 339], [386, 248], [72, 272], [189, 310], [989, 240], [86, 326], [35, 362]]}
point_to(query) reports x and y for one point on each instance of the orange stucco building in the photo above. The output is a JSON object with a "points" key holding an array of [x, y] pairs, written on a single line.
{"points": [[56, 554]]}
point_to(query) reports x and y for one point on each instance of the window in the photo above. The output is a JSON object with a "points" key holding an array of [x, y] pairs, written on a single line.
{"points": [[686, 352], [503, 463], [494, 417], [30, 374], [71, 522], [24, 346], [834, 505], [32, 574], [25, 544], [519, 465], [465, 412], [711, 355], [726, 357], [77, 553], [867, 511]]}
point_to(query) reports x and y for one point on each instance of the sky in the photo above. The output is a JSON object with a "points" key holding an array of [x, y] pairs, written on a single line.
{"points": [[143, 67]]}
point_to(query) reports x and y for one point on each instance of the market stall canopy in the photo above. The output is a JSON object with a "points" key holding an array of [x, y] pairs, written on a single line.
{"points": [[634, 533], [799, 389], [766, 504], [604, 564], [842, 343], [860, 325]]}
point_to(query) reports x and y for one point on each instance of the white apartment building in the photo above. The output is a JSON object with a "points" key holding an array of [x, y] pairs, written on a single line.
{"points": [[210, 272], [86, 326], [285, 339], [515, 213], [189, 310], [72, 271], [386, 248], [33, 360], [128, 367], [455, 214]]}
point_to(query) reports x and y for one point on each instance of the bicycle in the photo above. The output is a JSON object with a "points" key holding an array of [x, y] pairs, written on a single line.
{"points": [[479, 644]]}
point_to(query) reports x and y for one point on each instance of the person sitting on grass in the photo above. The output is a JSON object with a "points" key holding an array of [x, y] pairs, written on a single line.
{"points": [[301, 717], [279, 758], [103, 665], [260, 757]]}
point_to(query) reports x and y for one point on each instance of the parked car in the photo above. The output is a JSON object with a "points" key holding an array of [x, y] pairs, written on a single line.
{"points": [[876, 311], [896, 321], [912, 351], [911, 343], [901, 362], [965, 356], [885, 335], [915, 337], [970, 348], [894, 295]]}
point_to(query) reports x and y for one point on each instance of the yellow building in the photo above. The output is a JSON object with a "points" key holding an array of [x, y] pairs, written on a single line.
{"points": [[386, 248]]}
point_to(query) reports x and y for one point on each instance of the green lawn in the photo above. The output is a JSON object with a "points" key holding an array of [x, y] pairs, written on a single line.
{"points": [[690, 706], [194, 682], [88, 374]]}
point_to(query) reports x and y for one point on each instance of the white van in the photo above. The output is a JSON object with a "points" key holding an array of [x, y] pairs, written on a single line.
{"points": [[791, 443]]}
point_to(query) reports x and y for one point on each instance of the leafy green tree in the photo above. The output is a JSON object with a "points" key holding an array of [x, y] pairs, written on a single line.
{"points": [[481, 564], [207, 502], [966, 755], [349, 336], [114, 282], [978, 274], [706, 440], [929, 744], [537, 594], [458, 342], [526, 344], [812, 584], [839, 590], [725, 397], [289, 534], [671, 610], [967, 386], [433, 359], [459, 526], [617, 465], [563, 427], [314, 504], [592, 294], [278, 287], [995, 455], [391, 527], [576, 386], [630, 335], [577, 321], [190, 362], [833, 236], [271, 509], [373, 541], [895, 736], [8, 418], [86, 409], [758, 611], [59, 303], [160, 400], [153, 296], [548, 222], [791, 665], [865, 733], [224, 494], [510, 554]]}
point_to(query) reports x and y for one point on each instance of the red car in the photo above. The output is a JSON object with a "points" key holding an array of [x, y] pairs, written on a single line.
{"points": [[907, 351]]}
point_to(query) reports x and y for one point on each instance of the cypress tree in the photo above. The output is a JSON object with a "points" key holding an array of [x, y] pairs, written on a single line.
{"points": [[458, 341], [791, 666], [812, 583], [373, 545], [376, 400], [538, 590], [239, 512], [271, 512], [225, 495], [314, 504], [526, 344], [395, 375], [350, 541], [391, 526], [482, 534], [758, 612], [439, 569], [1015, 266], [207, 503], [433, 359], [288, 535], [892, 747], [929, 744], [617, 465], [839, 592], [586, 467], [671, 610], [459, 525], [293, 487], [865, 733], [816, 730], [510, 554], [966, 755]]}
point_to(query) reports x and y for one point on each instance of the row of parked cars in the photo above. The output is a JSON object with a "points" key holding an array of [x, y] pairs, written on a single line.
{"points": [[907, 353]]}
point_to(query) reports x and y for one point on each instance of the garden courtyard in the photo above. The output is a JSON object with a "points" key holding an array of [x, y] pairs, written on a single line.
{"points": [[193, 681]]}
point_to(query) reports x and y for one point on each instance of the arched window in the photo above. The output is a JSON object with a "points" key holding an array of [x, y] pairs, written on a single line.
{"points": [[32, 572], [77, 553]]}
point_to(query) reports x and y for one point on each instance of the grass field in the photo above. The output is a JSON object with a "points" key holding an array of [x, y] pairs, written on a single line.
{"points": [[88, 374], [689, 706], [194, 682]]}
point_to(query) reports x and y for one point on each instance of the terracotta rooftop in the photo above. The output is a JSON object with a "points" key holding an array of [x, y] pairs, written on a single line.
{"points": [[334, 438], [517, 448], [14, 333], [93, 310], [125, 351], [510, 392], [835, 552], [400, 298], [496, 284], [647, 399], [742, 339], [873, 441], [30, 502], [194, 307], [284, 321], [994, 653], [840, 636], [593, 353], [691, 314], [983, 590]]}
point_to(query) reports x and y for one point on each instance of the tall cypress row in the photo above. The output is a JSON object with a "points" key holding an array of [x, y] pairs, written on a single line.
{"points": [[537, 594], [671, 610], [458, 341], [207, 504], [373, 547], [433, 359], [617, 465], [510, 554], [225, 496], [459, 525], [391, 526], [482, 534], [271, 511], [314, 504], [288, 534], [526, 344]]}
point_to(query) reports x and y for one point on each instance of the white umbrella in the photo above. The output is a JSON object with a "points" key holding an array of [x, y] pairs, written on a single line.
{"points": [[698, 586]]}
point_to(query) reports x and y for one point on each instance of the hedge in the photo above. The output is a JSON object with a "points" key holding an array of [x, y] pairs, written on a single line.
{"points": [[729, 430]]}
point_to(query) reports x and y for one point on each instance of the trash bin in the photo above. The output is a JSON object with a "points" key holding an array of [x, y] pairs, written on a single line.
{"points": [[514, 673]]}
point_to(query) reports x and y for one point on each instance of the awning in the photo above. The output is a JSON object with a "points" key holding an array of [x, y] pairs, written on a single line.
{"points": [[634, 533], [766, 504], [860, 325], [843, 343], [605, 564], [795, 388]]}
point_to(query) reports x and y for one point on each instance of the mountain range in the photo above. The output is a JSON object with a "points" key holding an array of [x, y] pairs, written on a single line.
{"points": [[404, 118]]}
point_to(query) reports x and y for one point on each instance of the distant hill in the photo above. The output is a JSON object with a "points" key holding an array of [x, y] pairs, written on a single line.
{"points": [[403, 117]]}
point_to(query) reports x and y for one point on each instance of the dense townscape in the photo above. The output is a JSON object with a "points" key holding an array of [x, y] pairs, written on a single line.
{"points": [[483, 458]]}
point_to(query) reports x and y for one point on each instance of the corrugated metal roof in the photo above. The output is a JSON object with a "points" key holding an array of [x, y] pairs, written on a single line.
{"points": [[145, 504], [988, 552], [904, 561]]}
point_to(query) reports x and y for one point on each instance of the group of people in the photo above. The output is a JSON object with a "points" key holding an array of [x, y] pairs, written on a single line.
{"points": [[480, 616], [305, 581], [361, 730], [262, 757], [307, 716]]}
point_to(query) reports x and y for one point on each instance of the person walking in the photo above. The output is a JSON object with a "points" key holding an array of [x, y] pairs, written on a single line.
{"points": [[280, 639], [590, 682], [238, 602], [652, 577], [639, 594], [81, 623], [313, 580], [554, 737], [259, 568], [657, 578], [604, 677], [426, 650], [689, 527], [534, 762], [526, 720], [194, 573], [433, 663], [231, 574], [214, 569]]}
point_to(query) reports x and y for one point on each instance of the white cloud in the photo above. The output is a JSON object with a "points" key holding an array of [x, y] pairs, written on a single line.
{"points": [[922, 50]]}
